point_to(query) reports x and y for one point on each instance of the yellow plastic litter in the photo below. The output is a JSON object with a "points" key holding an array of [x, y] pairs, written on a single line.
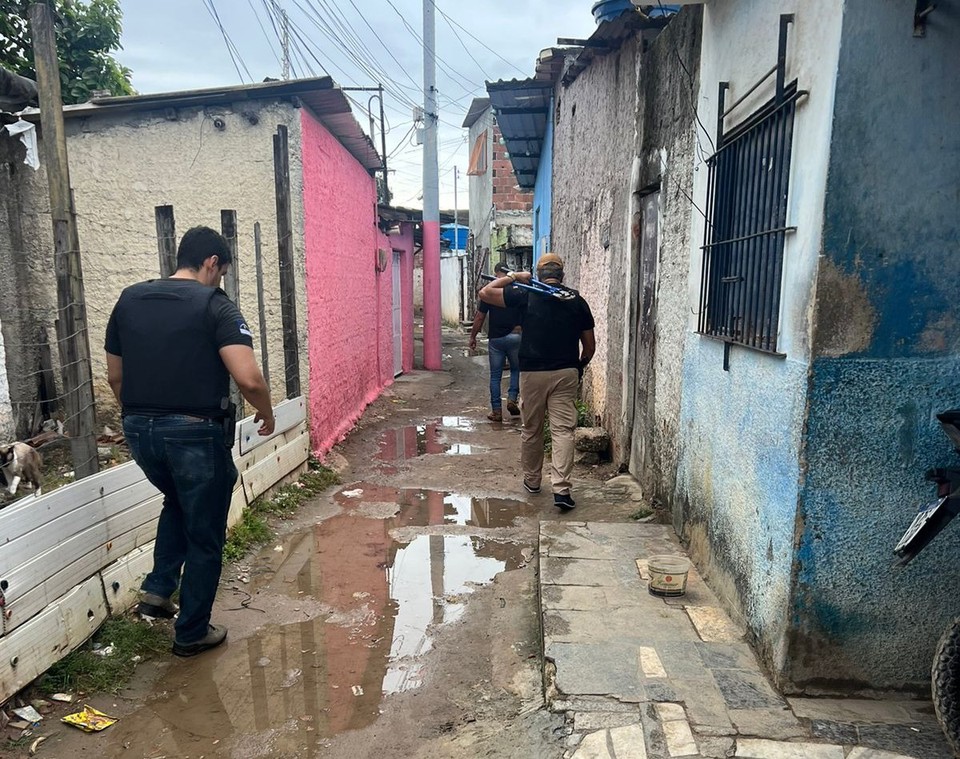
{"points": [[89, 720]]}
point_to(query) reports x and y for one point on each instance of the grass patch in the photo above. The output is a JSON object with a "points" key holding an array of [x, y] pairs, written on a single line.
{"points": [[253, 530], [642, 513], [82, 671]]}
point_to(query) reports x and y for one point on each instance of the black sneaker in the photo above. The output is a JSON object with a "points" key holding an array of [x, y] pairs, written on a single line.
{"points": [[530, 488], [152, 605], [563, 501], [513, 408], [216, 634]]}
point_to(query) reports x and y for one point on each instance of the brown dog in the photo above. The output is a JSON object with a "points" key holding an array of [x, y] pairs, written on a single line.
{"points": [[20, 462]]}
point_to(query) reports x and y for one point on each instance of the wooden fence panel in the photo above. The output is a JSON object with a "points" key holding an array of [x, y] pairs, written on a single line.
{"points": [[287, 414]]}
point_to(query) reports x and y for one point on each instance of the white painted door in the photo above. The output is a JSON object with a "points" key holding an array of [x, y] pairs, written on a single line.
{"points": [[397, 319]]}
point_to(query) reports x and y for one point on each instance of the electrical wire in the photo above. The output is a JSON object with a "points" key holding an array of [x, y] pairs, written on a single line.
{"points": [[478, 41], [231, 48], [463, 44]]}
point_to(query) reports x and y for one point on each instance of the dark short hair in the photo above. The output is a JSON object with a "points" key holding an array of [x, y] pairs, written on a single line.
{"points": [[550, 271], [501, 267], [198, 244]]}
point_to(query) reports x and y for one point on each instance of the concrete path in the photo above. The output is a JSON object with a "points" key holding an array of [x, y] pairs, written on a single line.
{"points": [[643, 676]]}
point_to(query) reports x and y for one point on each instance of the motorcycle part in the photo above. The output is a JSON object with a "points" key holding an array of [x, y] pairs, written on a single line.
{"points": [[945, 679]]}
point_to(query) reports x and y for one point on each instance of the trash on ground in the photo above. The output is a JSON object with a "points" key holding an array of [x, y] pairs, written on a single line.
{"points": [[36, 744], [20, 724], [105, 651], [28, 713], [89, 720], [353, 493], [278, 549], [357, 690], [66, 698]]}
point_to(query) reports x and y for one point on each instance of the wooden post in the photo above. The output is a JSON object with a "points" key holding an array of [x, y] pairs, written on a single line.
{"points": [[228, 227], [264, 358], [74, 343], [47, 385], [166, 240], [288, 284]]}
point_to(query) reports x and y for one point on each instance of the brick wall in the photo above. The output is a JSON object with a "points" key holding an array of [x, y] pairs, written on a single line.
{"points": [[507, 195]]}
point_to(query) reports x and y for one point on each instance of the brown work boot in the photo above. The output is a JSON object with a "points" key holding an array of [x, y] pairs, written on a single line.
{"points": [[513, 408], [495, 416]]}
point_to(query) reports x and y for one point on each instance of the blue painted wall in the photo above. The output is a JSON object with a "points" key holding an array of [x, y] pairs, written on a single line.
{"points": [[886, 357], [543, 192]]}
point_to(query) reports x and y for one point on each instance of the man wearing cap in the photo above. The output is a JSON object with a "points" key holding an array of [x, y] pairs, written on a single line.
{"points": [[503, 344], [556, 344]]}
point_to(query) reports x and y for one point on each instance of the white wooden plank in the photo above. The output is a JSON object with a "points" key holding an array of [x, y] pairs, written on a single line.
{"points": [[61, 627], [260, 478], [57, 531], [29, 513], [122, 579], [287, 414], [40, 582], [237, 505]]}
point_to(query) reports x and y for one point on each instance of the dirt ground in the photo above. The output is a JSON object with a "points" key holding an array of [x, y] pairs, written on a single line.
{"points": [[395, 616]]}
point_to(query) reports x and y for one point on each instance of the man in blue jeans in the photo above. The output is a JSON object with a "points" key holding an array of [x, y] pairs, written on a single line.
{"points": [[503, 344], [172, 346]]}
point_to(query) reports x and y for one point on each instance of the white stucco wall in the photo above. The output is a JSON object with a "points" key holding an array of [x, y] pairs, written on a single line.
{"points": [[740, 452], [123, 165], [481, 186]]}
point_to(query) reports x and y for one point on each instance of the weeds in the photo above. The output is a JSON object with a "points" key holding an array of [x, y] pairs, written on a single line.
{"points": [[253, 530], [642, 513], [84, 671]]}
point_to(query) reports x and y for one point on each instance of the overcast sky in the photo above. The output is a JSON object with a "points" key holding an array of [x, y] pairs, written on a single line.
{"points": [[176, 45]]}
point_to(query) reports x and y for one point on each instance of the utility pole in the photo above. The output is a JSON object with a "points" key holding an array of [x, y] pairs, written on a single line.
{"points": [[285, 26], [383, 147], [432, 354], [456, 213], [73, 338]]}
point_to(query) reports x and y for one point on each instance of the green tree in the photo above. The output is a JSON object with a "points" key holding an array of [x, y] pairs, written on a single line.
{"points": [[88, 32]]}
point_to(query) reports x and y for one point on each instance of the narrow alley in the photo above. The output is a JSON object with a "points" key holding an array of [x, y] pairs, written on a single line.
{"points": [[406, 614]]}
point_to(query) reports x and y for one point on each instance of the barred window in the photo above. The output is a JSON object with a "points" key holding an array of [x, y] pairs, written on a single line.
{"points": [[747, 226]]}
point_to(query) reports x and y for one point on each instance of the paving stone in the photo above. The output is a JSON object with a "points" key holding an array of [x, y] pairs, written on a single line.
{"points": [[705, 705], [628, 742], [659, 628], [659, 690], [855, 711], [588, 572], [834, 732], [650, 663], [776, 724], [596, 669], [575, 597], [592, 704], [577, 544], [680, 659], [715, 748], [585, 722], [679, 738], [743, 689], [594, 746], [713, 624], [727, 656], [750, 748], [923, 740], [670, 712], [871, 753]]}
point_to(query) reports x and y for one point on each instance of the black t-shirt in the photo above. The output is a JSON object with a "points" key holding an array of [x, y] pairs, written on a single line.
{"points": [[168, 333], [502, 320], [551, 329]]}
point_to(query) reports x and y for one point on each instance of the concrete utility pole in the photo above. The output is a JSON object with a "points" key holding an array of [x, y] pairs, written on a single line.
{"points": [[432, 354], [285, 25], [73, 338]]}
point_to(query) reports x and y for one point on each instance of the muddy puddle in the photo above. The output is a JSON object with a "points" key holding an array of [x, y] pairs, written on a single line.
{"points": [[359, 599], [428, 438]]}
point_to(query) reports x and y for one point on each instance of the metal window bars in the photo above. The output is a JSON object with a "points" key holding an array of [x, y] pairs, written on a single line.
{"points": [[746, 210]]}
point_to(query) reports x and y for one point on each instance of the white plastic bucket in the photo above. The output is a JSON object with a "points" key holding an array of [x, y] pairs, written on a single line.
{"points": [[668, 575]]}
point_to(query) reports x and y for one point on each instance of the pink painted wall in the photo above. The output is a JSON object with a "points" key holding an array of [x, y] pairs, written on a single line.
{"points": [[402, 242], [350, 333]]}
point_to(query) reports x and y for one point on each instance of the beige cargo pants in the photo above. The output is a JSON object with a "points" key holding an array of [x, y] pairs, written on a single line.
{"points": [[553, 393]]}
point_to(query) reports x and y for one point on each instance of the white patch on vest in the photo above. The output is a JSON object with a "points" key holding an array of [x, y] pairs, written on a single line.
{"points": [[244, 329]]}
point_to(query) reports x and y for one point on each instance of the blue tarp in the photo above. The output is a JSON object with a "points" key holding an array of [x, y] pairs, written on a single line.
{"points": [[447, 233]]}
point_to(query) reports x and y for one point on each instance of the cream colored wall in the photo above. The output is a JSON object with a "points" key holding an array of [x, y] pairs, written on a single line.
{"points": [[123, 166]]}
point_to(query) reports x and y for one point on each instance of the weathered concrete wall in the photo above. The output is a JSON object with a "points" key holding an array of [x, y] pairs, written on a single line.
{"points": [[593, 147], [886, 358], [7, 426], [349, 301], [739, 474], [454, 272], [122, 166], [652, 369], [481, 185], [543, 193]]}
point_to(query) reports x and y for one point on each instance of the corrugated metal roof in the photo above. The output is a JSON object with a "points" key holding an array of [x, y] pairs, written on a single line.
{"points": [[609, 36], [321, 95], [522, 107]]}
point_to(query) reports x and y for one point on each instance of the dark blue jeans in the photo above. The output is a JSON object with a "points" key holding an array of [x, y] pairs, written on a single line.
{"points": [[188, 461], [500, 349]]}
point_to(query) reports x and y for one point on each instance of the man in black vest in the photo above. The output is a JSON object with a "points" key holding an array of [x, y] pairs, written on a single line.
{"points": [[172, 346], [551, 362]]}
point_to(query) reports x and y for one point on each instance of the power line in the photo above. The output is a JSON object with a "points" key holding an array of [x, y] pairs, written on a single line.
{"points": [[478, 41], [386, 47], [231, 48], [463, 44], [266, 37]]}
